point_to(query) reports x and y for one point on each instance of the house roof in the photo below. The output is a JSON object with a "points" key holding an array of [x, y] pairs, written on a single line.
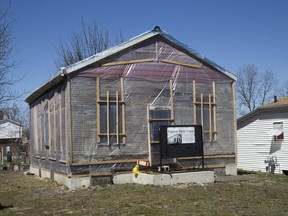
{"points": [[278, 105], [9, 120], [123, 46]]}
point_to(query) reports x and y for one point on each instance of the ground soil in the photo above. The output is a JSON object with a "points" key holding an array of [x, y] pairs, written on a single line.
{"points": [[249, 194]]}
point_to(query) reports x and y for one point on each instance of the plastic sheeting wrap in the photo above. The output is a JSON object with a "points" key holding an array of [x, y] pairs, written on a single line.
{"points": [[118, 104], [146, 72]]}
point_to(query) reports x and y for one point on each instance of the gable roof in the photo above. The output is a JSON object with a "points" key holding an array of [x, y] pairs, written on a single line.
{"points": [[156, 32], [279, 105], [10, 121]]}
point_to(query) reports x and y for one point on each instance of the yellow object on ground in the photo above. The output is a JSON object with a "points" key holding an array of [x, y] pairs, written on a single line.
{"points": [[136, 169]]}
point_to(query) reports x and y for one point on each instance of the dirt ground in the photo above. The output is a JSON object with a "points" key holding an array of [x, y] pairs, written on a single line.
{"points": [[253, 194]]}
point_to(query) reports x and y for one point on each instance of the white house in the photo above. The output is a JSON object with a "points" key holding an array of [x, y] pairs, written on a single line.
{"points": [[10, 129], [10, 138], [262, 138]]}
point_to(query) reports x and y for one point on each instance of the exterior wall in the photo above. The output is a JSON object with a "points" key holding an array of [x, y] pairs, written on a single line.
{"points": [[83, 105], [48, 129], [83, 117], [255, 142], [139, 93], [224, 143]]}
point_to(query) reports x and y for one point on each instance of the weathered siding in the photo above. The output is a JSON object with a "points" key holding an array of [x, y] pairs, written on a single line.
{"points": [[255, 142]]}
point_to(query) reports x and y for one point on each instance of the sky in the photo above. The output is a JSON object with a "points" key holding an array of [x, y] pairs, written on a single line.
{"points": [[232, 33]]}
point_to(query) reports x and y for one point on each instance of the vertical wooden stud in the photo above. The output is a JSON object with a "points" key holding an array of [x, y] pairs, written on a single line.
{"points": [[69, 121], [41, 128], [202, 111], [98, 109], [235, 122], [149, 139], [172, 101], [35, 128], [194, 103], [60, 121], [49, 126], [214, 111], [108, 119], [117, 118], [123, 111], [210, 119], [202, 115], [54, 128]]}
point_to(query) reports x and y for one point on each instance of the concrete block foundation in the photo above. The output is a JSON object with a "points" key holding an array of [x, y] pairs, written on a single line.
{"points": [[74, 182], [202, 177], [69, 181]]}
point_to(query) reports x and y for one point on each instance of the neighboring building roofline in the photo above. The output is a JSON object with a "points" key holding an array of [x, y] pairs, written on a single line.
{"points": [[113, 50], [11, 121], [262, 109]]}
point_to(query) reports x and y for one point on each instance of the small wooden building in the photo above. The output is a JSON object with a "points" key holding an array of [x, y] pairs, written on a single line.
{"points": [[103, 113], [262, 138]]}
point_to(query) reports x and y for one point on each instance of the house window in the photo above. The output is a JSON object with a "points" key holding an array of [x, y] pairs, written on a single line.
{"points": [[110, 115], [278, 131], [158, 117], [111, 122], [205, 113]]}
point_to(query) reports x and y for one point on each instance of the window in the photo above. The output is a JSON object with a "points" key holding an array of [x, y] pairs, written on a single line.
{"points": [[110, 115], [205, 112], [278, 131], [110, 123], [158, 117]]}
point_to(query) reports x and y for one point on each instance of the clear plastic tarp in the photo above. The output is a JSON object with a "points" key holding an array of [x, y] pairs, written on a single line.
{"points": [[117, 105]]}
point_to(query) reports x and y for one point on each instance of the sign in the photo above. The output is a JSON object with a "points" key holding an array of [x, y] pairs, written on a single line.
{"points": [[180, 135], [180, 141]]}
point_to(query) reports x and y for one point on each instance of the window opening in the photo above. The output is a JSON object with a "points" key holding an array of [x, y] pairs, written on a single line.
{"points": [[205, 112], [278, 131], [110, 116], [157, 118]]}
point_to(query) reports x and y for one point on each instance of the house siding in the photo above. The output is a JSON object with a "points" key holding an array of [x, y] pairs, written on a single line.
{"points": [[255, 142]]}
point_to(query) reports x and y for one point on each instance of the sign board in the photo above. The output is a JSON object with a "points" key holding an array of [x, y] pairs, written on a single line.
{"points": [[180, 141], [180, 135]]}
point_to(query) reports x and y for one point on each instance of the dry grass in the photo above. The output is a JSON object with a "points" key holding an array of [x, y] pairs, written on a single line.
{"points": [[254, 194]]}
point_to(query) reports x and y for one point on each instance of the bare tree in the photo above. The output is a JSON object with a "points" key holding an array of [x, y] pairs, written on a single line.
{"points": [[12, 112], [283, 90], [254, 88], [93, 38], [6, 78]]}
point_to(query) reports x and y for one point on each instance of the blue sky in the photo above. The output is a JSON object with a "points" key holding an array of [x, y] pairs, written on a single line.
{"points": [[229, 32]]}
